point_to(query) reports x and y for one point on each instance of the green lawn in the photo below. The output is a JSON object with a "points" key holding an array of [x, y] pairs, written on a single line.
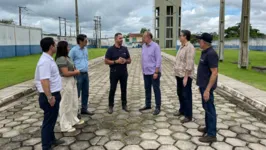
{"points": [[229, 69], [19, 69]]}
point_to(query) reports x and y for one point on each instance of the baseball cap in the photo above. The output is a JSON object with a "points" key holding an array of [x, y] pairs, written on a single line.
{"points": [[205, 37]]}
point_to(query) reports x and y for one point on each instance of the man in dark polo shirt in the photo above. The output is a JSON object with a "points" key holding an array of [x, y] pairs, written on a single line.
{"points": [[117, 57], [207, 82]]}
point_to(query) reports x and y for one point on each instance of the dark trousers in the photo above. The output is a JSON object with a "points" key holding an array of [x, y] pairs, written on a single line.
{"points": [[49, 120], [148, 83], [210, 113], [115, 76], [185, 96], [83, 90]]}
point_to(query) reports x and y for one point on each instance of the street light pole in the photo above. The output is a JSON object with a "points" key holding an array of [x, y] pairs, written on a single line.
{"points": [[221, 31]]}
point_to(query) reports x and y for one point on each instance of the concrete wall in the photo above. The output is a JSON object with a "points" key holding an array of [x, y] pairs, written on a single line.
{"points": [[19, 41], [254, 44]]}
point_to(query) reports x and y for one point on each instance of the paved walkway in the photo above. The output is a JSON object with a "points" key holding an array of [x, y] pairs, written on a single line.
{"points": [[20, 121]]}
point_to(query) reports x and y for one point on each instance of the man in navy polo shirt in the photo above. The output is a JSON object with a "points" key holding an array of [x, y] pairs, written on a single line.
{"points": [[207, 82], [117, 57]]}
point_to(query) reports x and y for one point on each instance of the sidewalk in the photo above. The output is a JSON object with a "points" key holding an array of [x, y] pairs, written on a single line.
{"points": [[236, 90], [12, 93]]}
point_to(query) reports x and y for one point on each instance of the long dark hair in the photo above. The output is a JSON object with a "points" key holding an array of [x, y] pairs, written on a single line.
{"points": [[62, 49]]}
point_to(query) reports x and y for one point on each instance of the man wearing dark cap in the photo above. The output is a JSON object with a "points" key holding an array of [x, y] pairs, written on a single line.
{"points": [[207, 82]]}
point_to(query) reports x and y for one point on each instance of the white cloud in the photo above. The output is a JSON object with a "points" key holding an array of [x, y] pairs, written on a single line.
{"points": [[128, 16]]}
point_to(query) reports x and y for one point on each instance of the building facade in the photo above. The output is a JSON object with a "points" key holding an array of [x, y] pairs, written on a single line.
{"points": [[167, 22]]}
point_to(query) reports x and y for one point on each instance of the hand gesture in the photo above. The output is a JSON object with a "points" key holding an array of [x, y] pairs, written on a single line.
{"points": [[206, 96]]}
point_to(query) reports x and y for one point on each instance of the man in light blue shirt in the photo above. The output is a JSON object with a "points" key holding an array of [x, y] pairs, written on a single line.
{"points": [[79, 55]]}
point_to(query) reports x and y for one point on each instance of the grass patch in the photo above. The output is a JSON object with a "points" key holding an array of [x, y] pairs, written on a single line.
{"points": [[19, 69], [229, 69]]}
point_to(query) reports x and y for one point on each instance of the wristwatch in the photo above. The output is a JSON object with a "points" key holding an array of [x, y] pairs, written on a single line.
{"points": [[156, 73], [114, 62]]}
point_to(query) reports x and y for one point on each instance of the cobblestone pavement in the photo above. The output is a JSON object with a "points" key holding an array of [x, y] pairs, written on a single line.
{"points": [[238, 130]]}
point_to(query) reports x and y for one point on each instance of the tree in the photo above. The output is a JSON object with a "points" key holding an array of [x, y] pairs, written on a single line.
{"points": [[144, 30], [234, 32], [6, 21]]}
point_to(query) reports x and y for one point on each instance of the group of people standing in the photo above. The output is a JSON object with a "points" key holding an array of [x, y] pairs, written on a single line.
{"points": [[63, 82]]}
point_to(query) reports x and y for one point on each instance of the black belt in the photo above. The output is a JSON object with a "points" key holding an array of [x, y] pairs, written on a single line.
{"points": [[83, 72], [54, 93]]}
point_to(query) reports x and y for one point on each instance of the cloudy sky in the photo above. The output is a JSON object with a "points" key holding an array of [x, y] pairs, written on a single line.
{"points": [[127, 16]]}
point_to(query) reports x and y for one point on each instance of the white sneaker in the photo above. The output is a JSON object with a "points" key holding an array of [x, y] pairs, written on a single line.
{"points": [[71, 130], [80, 122]]}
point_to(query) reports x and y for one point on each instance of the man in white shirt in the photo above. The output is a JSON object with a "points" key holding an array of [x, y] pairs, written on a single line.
{"points": [[48, 83]]}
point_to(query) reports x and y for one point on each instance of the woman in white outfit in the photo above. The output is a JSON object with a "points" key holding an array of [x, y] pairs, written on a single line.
{"points": [[68, 109]]}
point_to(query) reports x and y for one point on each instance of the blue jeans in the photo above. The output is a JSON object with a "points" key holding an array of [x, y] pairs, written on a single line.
{"points": [[83, 90], [210, 113], [185, 97], [49, 119], [148, 82]]}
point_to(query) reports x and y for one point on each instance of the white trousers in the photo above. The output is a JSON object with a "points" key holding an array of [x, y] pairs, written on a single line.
{"points": [[68, 109]]}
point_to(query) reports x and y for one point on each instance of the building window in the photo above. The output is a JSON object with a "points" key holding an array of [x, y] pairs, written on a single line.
{"points": [[169, 21], [157, 33], [179, 23], [157, 41], [157, 23], [179, 11], [169, 10], [169, 33], [169, 43], [157, 11]]}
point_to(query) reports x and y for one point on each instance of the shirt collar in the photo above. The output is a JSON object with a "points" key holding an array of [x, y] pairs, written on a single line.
{"points": [[149, 44], [205, 51], [186, 44], [47, 55]]}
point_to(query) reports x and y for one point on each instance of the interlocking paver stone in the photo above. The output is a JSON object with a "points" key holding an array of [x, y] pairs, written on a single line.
{"points": [[132, 147], [185, 145], [168, 147], [227, 133], [149, 144], [222, 146], [256, 146], [235, 142], [149, 136], [163, 132], [80, 145], [166, 140], [20, 123], [114, 145]]}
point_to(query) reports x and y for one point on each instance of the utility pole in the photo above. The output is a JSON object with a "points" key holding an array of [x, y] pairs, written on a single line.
{"points": [[95, 30], [20, 12], [65, 27], [100, 24], [221, 31], [244, 35], [59, 26], [77, 17], [70, 31]]}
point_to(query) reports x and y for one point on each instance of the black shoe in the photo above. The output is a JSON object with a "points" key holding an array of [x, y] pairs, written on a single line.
{"points": [[79, 116], [208, 139], [87, 113], [156, 112], [125, 108], [58, 142], [178, 114], [185, 120], [144, 108], [203, 130], [110, 110]]}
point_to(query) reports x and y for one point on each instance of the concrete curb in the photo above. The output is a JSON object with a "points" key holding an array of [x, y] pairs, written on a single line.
{"points": [[229, 92], [10, 94]]}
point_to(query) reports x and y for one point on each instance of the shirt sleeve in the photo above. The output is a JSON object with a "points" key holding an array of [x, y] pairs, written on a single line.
{"points": [[127, 53], [61, 62], [45, 71], [158, 57], [71, 54], [190, 55], [108, 54], [212, 60]]}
